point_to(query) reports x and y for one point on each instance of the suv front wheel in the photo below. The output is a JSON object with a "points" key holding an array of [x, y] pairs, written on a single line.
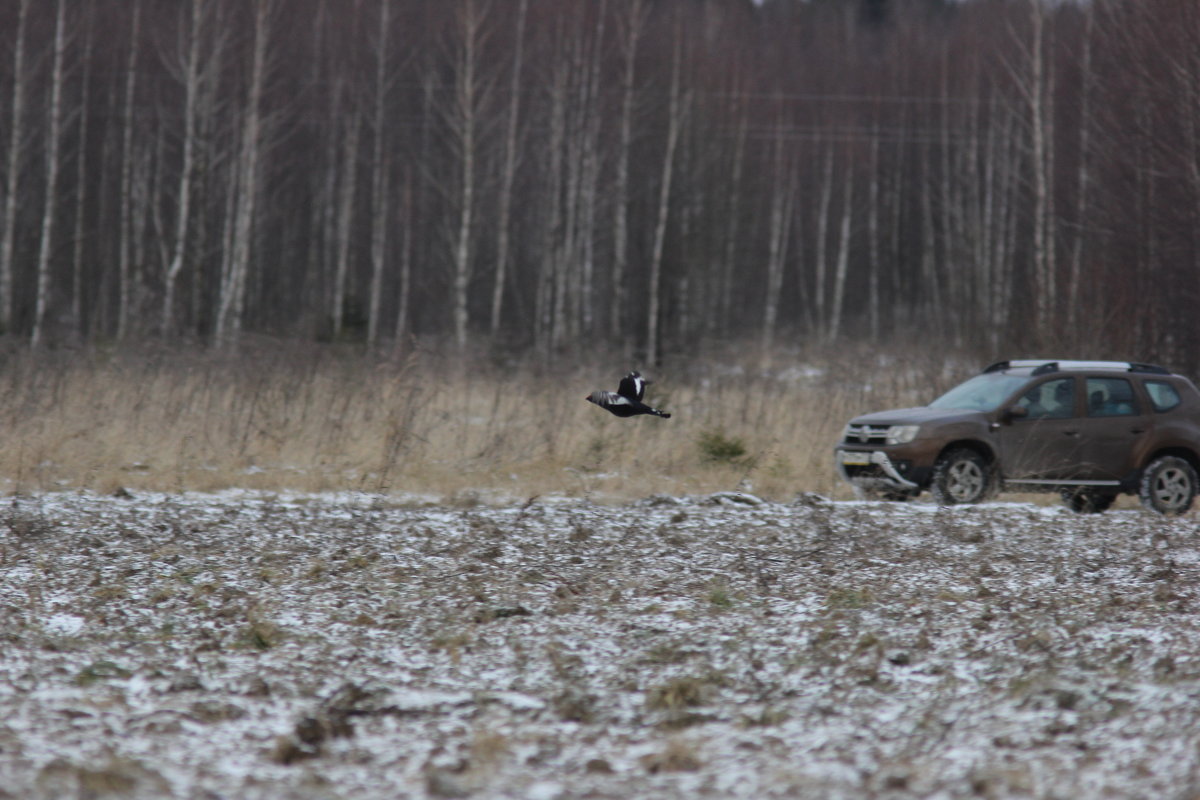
{"points": [[1168, 485], [962, 476]]}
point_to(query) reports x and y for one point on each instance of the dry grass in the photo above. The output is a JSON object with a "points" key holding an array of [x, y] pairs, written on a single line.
{"points": [[329, 419]]}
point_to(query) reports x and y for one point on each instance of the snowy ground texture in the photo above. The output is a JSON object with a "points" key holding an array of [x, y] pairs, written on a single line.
{"points": [[338, 646]]}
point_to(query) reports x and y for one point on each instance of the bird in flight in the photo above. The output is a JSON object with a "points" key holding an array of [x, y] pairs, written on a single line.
{"points": [[626, 401]]}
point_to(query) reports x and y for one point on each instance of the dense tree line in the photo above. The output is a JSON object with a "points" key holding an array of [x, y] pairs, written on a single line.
{"points": [[641, 174]]}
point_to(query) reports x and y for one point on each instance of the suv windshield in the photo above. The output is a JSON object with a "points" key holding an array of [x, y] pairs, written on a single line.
{"points": [[981, 393]]}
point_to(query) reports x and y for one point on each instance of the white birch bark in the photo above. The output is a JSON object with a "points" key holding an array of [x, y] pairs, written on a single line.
{"points": [[508, 174], [1083, 174], [733, 219], [676, 112], [820, 291], [634, 24], [233, 285], [125, 228], [842, 263], [782, 194], [548, 283], [406, 248], [469, 92], [53, 141], [347, 193], [590, 169], [183, 214], [14, 161], [929, 265], [1043, 267], [81, 195], [873, 265], [379, 183]]}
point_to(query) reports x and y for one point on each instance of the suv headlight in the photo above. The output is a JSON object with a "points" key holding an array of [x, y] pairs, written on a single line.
{"points": [[902, 434]]}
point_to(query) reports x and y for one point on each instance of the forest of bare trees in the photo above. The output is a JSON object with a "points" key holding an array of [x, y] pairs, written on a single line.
{"points": [[645, 175]]}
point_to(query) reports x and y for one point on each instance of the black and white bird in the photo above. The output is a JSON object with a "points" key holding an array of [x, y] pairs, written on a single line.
{"points": [[626, 401]]}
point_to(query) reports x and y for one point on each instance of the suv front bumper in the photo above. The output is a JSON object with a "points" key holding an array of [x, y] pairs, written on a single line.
{"points": [[874, 470]]}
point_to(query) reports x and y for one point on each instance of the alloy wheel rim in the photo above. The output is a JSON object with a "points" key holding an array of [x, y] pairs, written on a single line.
{"points": [[966, 480], [1172, 488]]}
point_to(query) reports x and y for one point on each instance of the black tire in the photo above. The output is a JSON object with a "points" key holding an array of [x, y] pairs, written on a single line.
{"points": [[1087, 501], [1168, 485], [962, 476]]}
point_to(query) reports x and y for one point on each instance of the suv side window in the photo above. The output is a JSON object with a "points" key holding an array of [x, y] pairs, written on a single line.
{"points": [[1110, 397], [1050, 400], [1163, 396]]}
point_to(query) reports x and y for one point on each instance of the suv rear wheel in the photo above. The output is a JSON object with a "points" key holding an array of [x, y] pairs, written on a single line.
{"points": [[962, 476], [1087, 501], [1168, 485]]}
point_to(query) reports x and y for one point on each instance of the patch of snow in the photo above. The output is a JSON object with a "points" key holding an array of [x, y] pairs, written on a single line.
{"points": [[64, 624]]}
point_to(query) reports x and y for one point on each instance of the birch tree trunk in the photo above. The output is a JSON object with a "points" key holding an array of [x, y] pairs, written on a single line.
{"points": [[589, 180], [379, 184], [932, 305], [468, 96], [406, 249], [16, 155], [54, 135], [183, 215], [632, 33], [345, 219], [820, 291], [566, 268], [1043, 267], [545, 322], [782, 195], [732, 220], [873, 265], [843, 258], [676, 111], [1008, 187], [233, 285], [81, 195], [125, 228], [509, 174], [1084, 178], [953, 268]]}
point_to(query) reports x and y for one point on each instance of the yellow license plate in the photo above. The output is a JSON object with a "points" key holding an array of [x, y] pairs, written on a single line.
{"points": [[855, 458]]}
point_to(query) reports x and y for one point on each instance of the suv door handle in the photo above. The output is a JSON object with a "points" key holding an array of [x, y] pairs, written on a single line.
{"points": [[1137, 430], [1070, 433]]}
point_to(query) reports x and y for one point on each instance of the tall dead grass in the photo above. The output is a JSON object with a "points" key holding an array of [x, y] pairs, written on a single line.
{"points": [[312, 419]]}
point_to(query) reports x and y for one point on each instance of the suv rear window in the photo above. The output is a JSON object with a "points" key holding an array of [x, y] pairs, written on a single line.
{"points": [[1163, 396], [1110, 397]]}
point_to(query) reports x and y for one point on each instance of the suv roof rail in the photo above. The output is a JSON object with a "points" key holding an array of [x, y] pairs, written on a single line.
{"points": [[1045, 366], [1153, 369]]}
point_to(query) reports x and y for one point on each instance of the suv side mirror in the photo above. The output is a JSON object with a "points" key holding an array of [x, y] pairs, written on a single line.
{"points": [[1015, 412]]}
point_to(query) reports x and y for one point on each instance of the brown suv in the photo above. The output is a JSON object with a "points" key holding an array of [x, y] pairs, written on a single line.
{"points": [[1089, 430]]}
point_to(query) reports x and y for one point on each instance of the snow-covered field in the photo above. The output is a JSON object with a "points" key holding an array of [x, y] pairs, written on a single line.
{"points": [[348, 646]]}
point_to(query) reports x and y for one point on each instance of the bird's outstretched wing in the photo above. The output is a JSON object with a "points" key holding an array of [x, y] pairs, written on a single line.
{"points": [[627, 400], [632, 386]]}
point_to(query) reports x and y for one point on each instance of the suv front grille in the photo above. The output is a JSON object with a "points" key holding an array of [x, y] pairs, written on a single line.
{"points": [[866, 434]]}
